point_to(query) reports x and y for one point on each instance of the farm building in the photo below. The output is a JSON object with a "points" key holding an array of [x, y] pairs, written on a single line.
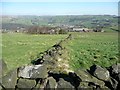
{"points": [[81, 30]]}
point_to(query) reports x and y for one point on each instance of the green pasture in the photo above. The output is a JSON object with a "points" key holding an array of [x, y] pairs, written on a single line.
{"points": [[19, 49], [84, 49], [87, 49]]}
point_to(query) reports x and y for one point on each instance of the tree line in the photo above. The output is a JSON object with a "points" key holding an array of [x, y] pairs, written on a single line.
{"points": [[45, 30]]}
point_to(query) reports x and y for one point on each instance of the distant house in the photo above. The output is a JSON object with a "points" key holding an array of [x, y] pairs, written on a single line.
{"points": [[81, 30], [78, 29]]}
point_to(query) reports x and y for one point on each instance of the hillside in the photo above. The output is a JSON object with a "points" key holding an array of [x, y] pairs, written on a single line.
{"points": [[88, 21]]}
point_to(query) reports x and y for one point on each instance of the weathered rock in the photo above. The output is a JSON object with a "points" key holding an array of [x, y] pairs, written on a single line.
{"points": [[100, 73], [51, 83], [119, 77], [0, 87], [3, 88], [55, 74], [58, 58], [98, 82], [115, 68], [64, 84], [86, 77], [118, 87], [113, 83], [3, 68], [115, 71], [33, 71], [90, 86], [0, 80], [26, 84], [37, 87], [38, 84], [47, 57], [75, 80], [37, 61], [84, 85], [49, 63], [58, 47], [42, 84], [52, 52], [57, 71], [60, 52], [10, 80]]}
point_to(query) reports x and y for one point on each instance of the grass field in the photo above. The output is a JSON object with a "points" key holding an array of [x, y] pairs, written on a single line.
{"points": [[84, 49], [20, 49], [93, 48]]}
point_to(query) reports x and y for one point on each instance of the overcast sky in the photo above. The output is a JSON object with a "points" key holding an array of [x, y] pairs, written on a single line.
{"points": [[40, 7]]}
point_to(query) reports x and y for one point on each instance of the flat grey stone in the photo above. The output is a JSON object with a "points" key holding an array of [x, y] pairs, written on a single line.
{"points": [[10, 80], [33, 71], [116, 68], [100, 73], [3, 68], [64, 85], [86, 77], [26, 84], [51, 83]]}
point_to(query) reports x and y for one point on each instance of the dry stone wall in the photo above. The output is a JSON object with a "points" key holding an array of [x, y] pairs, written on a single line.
{"points": [[51, 71]]}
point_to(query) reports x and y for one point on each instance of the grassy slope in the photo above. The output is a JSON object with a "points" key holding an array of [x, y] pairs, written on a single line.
{"points": [[19, 49], [89, 48], [84, 50], [57, 20]]}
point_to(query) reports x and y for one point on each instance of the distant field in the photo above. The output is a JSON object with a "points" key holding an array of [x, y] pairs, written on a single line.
{"points": [[20, 49], [93, 48], [84, 49]]}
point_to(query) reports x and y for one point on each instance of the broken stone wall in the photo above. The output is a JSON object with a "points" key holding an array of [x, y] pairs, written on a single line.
{"points": [[51, 71]]}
